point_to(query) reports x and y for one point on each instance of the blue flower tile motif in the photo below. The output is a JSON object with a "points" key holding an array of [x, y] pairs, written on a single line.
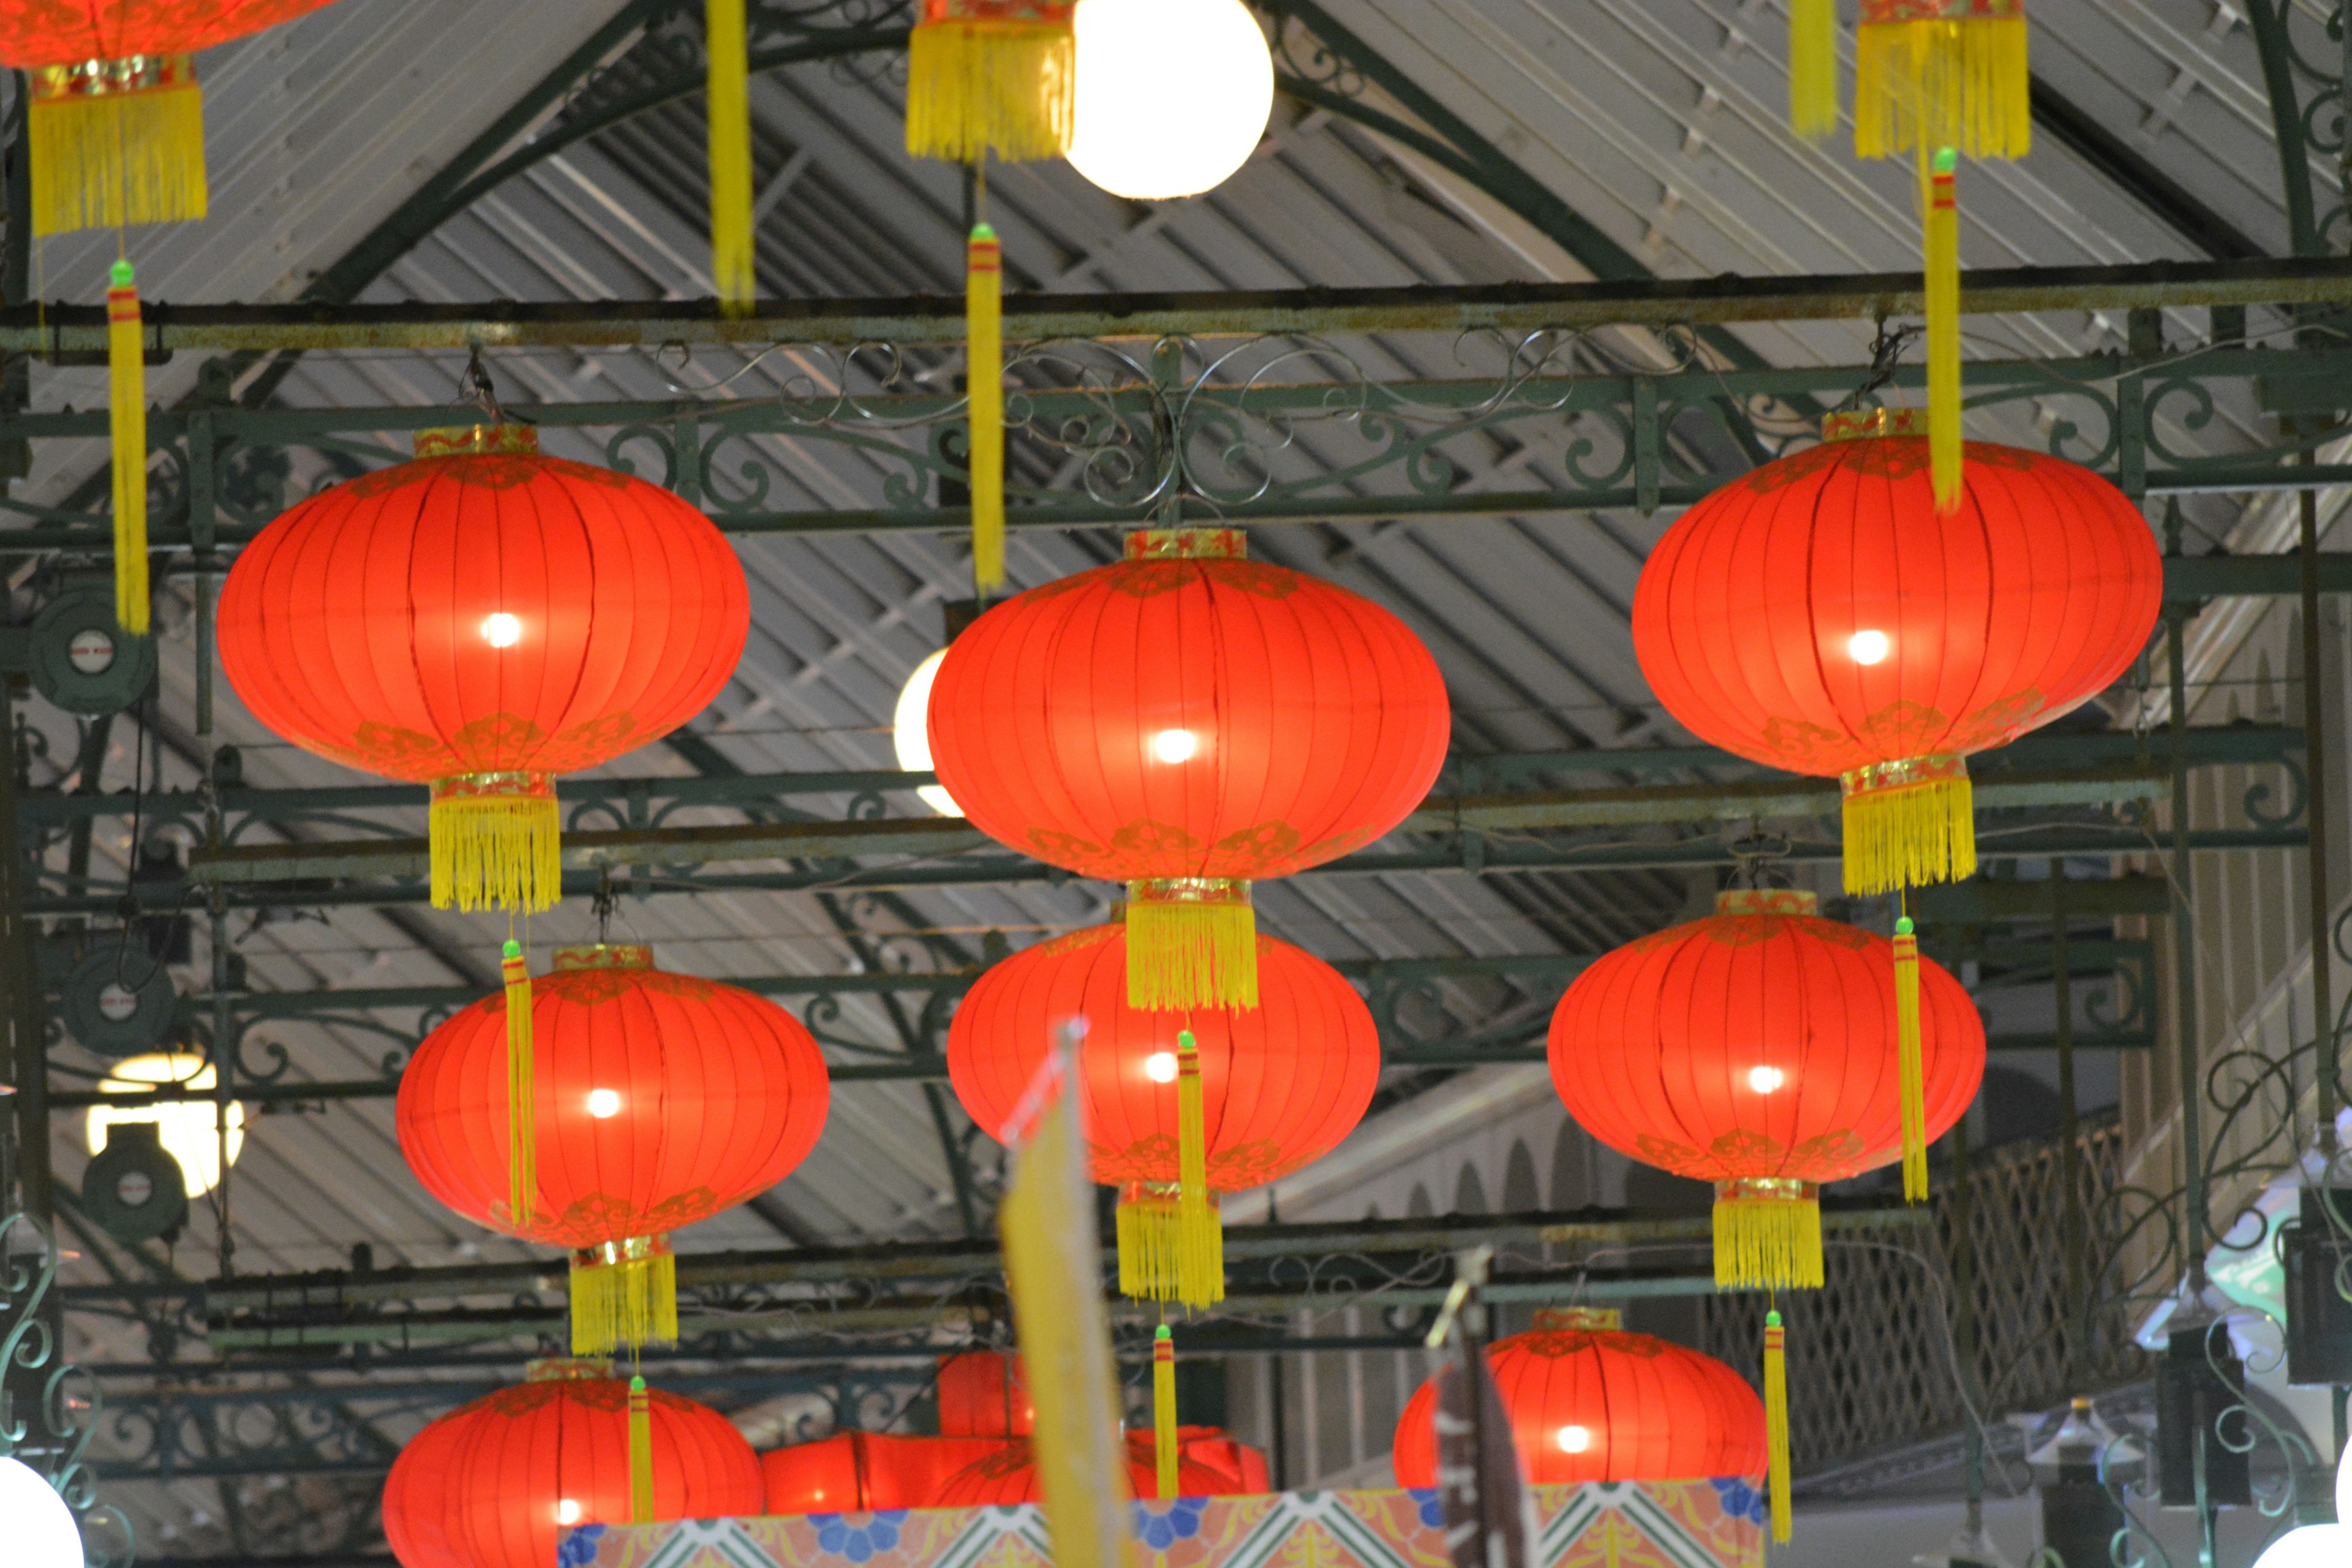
{"points": [[579, 1546], [1431, 1507], [1161, 1525], [1740, 1499], [862, 1542]]}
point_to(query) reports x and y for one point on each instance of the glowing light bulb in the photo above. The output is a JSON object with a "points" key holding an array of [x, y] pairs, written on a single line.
{"points": [[1175, 746], [189, 1129], [567, 1512], [603, 1103], [1574, 1439], [41, 1529], [1159, 1067], [910, 735], [1172, 95], [501, 630], [1869, 647], [1764, 1080]]}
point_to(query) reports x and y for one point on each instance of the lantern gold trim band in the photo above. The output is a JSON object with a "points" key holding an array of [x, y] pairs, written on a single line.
{"points": [[1188, 544], [470, 440]]}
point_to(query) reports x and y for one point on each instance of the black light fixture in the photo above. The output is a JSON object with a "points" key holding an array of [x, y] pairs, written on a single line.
{"points": [[2079, 1516], [2318, 1253], [2200, 1419]]}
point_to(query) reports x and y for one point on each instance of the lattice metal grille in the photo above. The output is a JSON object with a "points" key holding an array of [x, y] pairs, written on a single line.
{"points": [[1870, 1363]]}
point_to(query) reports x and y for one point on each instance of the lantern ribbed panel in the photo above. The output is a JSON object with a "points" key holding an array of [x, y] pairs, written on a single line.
{"points": [[1321, 720], [1653, 1046], [354, 626], [2030, 598], [486, 1480], [1282, 1083], [69, 32], [1653, 1411], [721, 1094], [985, 1394]]}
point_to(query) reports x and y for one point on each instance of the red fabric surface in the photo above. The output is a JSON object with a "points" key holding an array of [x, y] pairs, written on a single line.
{"points": [[68, 32], [354, 626], [480, 1488], [852, 1472], [1653, 1046], [1281, 1083], [978, 1399], [2031, 597], [722, 1094], [1321, 720], [1653, 1411], [1010, 1475]]}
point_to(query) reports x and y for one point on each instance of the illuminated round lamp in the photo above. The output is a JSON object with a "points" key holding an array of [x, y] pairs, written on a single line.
{"points": [[1172, 95], [910, 733], [189, 1129], [2309, 1546], [41, 1529]]}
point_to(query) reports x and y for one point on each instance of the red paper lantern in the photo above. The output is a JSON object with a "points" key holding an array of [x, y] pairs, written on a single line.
{"points": [[985, 1394], [1820, 614], [1187, 720], [860, 1472], [657, 1100], [1589, 1402], [480, 620], [1756, 1050], [491, 1484], [1010, 1475], [1278, 1084]]}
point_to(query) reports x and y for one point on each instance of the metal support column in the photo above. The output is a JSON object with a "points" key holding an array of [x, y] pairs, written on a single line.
{"points": [[20, 991], [2070, 1153]]}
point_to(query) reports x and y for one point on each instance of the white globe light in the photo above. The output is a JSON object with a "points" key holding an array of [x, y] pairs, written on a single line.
{"points": [[1870, 647], [910, 735], [2344, 1487], [39, 1526], [2310, 1546], [1159, 1067], [1172, 95], [190, 1128], [1764, 1080]]}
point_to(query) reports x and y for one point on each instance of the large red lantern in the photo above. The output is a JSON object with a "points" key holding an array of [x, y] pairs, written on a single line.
{"points": [[860, 1472], [985, 1394], [1589, 1402], [657, 1100], [480, 620], [1244, 1096], [491, 1484], [1756, 1050], [1188, 720], [1821, 615], [1208, 1464]]}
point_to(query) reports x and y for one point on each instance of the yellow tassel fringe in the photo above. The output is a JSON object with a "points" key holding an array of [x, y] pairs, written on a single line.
{"points": [[624, 1301], [522, 1107], [1199, 1239], [641, 1452], [1163, 1410], [127, 404], [1943, 290], [118, 158], [1183, 953], [1920, 86], [1166, 1255], [977, 85], [1812, 66], [1906, 1052], [732, 266], [496, 852], [1776, 1420], [983, 312], [1910, 836], [1767, 1241]]}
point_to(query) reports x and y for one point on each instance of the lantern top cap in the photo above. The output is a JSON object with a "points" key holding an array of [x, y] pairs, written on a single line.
{"points": [[568, 1369], [472, 441], [1863, 424], [1767, 901], [604, 956], [1187, 544], [1589, 1319]]}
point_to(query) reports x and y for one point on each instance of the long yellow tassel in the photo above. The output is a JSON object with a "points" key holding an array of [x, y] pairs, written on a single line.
{"points": [[116, 142], [1812, 66], [983, 310], [1163, 1410], [1907, 1055], [641, 1453], [624, 1296], [127, 392], [1190, 943], [1943, 226], [1768, 1235], [981, 81], [1776, 1421], [1200, 1232], [732, 258], [522, 1107]]}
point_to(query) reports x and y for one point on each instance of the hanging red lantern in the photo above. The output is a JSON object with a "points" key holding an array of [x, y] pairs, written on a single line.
{"points": [[658, 1099], [1756, 1050], [985, 1394], [491, 1484], [862, 1472], [1188, 720], [1010, 1475], [480, 620], [1589, 1402], [1821, 615], [1259, 1092]]}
